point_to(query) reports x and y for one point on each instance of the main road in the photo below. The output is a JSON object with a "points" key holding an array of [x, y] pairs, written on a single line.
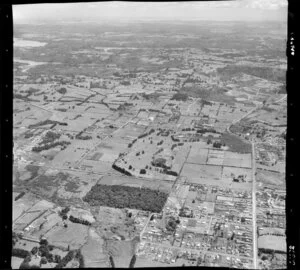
{"points": [[254, 207]]}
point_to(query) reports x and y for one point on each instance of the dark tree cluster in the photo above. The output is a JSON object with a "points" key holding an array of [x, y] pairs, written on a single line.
{"points": [[25, 98], [66, 259], [49, 146], [270, 251], [63, 212], [187, 129], [80, 137], [111, 260], [173, 146], [132, 261], [62, 90], [25, 264], [160, 162], [121, 170], [80, 258], [45, 250], [126, 197], [217, 144], [15, 238], [160, 142], [61, 109], [20, 253], [20, 196], [28, 135], [47, 122], [154, 110], [205, 102], [158, 151], [172, 224], [80, 221], [130, 144], [146, 134], [180, 96], [142, 135], [125, 82], [184, 212], [207, 130], [142, 171], [49, 137], [174, 139], [171, 173]]}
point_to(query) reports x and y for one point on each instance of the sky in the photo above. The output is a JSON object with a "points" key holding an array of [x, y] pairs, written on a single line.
{"points": [[238, 10]]}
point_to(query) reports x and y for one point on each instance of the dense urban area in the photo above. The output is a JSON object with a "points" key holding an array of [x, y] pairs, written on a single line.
{"points": [[149, 145]]}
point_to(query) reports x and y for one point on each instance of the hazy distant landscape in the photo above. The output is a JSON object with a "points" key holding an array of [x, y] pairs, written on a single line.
{"points": [[149, 144]]}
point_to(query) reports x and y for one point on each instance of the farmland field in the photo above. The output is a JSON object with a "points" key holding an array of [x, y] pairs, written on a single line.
{"points": [[150, 135]]}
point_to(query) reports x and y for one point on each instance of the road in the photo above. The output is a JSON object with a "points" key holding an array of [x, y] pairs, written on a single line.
{"points": [[240, 119], [143, 230], [254, 207], [110, 135], [281, 99], [248, 113], [34, 105], [113, 173], [182, 249]]}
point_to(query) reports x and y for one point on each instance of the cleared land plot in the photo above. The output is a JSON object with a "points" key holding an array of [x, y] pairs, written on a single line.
{"points": [[121, 251], [77, 124], [197, 155], [130, 130], [74, 235], [23, 204], [41, 206], [77, 184], [73, 153], [237, 159], [26, 245], [230, 172], [144, 261], [209, 206], [269, 230], [95, 156], [16, 262], [136, 182], [272, 242], [48, 183], [33, 116], [271, 178], [110, 221], [109, 150], [46, 224], [181, 154], [27, 219], [215, 157], [92, 251], [195, 173], [96, 166]]}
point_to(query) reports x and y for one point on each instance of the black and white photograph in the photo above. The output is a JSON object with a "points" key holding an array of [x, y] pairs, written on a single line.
{"points": [[149, 134]]}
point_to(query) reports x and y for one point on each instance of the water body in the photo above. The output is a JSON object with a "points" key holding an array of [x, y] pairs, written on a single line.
{"points": [[29, 64], [18, 42]]}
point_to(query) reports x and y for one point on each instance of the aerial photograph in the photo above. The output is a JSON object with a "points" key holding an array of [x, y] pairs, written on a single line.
{"points": [[149, 134]]}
